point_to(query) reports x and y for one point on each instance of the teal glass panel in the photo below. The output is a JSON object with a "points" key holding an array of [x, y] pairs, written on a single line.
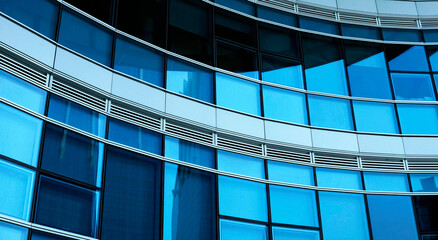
{"points": [[330, 112], [239, 5], [336, 178], [327, 78], [233, 230], [411, 86], [432, 52], [319, 25], [189, 152], [401, 58], [360, 31], [418, 119], [276, 16], [405, 35], [284, 105], [424, 182], [240, 164], [282, 233], [281, 71], [375, 181], [291, 173], [12, 232], [375, 117]]}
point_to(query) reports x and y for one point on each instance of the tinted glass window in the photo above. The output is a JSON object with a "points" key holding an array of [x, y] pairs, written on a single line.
{"points": [[278, 40], [319, 25], [282, 71], [240, 164], [375, 117], [284, 105], [235, 28], [100, 9], [400, 58], [336, 178], [281, 233], [238, 60], [239, 5], [233, 230], [405, 35], [360, 31], [189, 152], [424, 182], [386, 181], [37, 235], [430, 35], [418, 119], [276, 16], [432, 52], [405, 83], [330, 112], [291, 173], [427, 213], [12, 232]]}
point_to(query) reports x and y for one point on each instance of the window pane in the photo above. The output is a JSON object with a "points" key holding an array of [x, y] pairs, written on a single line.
{"points": [[239, 5], [424, 182], [336, 178], [12, 232], [67, 207], [418, 119], [22, 92], [366, 121], [238, 94], [131, 208], [240, 164], [282, 71], [235, 28], [242, 198], [233, 230], [400, 58], [189, 204], [37, 235], [189, 152], [343, 213], [319, 25], [386, 182], [432, 52], [404, 83], [404, 35], [138, 61], [276, 16], [20, 135], [16, 191], [238, 60], [291, 173], [190, 80], [100, 9], [392, 217], [281, 233], [427, 213], [330, 112], [360, 31], [430, 35], [278, 40], [284, 105]]}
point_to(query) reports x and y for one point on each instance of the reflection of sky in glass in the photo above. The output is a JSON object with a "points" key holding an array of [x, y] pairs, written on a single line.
{"points": [[282, 233], [290, 76], [240, 164], [292, 173], [284, 105], [233, 230], [335, 178], [434, 61], [410, 86], [366, 121], [328, 78], [330, 112], [424, 182], [418, 119], [404, 61], [386, 182]]}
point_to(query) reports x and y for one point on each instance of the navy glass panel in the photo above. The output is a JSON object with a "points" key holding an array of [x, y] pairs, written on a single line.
{"points": [[278, 40], [77, 116], [330, 112], [284, 105], [100, 9], [189, 204], [293, 206], [405, 83], [240, 164], [429, 237], [85, 37], [131, 208], [366, 121], [233, 230], [189, 152], [40, 15], [242, 198], [239, 5], [67, 207], [418, 119], [336, 178], [319, 25], [343, 216], [72, 155], [138, 61], [190, 80], [282, 71], [37, 235], [432, 52], [135, 136], [12, 232], [375, 181], [424, 182], [360, 31], [236, 59], [276, 16], [400, 57], [291, 173], [430, 35], [282, 233], [427, 213], [235, 28], [405, 35], [392, 217]]}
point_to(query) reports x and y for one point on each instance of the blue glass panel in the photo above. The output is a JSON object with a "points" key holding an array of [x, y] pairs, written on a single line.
{"points": [[343, 216], [336, 178], [402, 58], [77, 116], [240, 164], [392, 217], [429, 237], [233, 230], [189, 204], [424, 182], [281, 233], [237, 59], [37, 235], [328, 78], [319, 25], [433, 57], [418, 119], [293, 206], [20, 135], [284, 105], [190, 80], [22, 93], [276, 16], [330, 112], [239, 5], [291, 173], [427, 213], [238, 94], [135, 136], [12, 232], [404, 83], [285, 72], [138, 61], [85, 37], [189, 152], [16, 190], [67, 207], [242, 198], [404, 35], [366, 121], [360, 31], [430, 35], [375, 181]]}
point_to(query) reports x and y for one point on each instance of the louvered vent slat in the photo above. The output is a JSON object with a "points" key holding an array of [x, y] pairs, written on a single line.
{"points": [[317, 12], [383, 163], [289, 155], [147, 121], [396, 22], [78, 95], [278, 3], [429, 23], [357, 18], [423, 165], [336, 160], [239, 146], [189, 133], [22, 71]]}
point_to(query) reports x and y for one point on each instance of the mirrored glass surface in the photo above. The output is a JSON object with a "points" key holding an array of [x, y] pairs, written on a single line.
{"points": [[100, 9], [405, 35], [234, 230], [400, 57], [319, 25], [412, 86], [235, 28], [237, 59], [189, 152], [12, 232], [424, 182], [430, 35], [239, 5], [337, 178], [360, 31], [240, 164], [330, 112], [37, 235], [375, 117], [432, 52], [418, 119], [282, 233], [282, 71], [291, 173], [427, 213], [276, 16], [375, 181], [279, 40], [284, 105]]}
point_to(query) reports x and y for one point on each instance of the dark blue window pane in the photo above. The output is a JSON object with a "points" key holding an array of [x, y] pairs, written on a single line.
{"points": [[77, 116], [85, 37], [430, 35], [138, 61], [429, 237], [37, 235], [392, 217], [239, 5], [279, 40], [190, 80], [189, 204], [432, 52], [427, 213], [418, 119], [336, 178], [276, 16], [406, 58], [291, 173], [375, 181], [131, 208], [360, 31], [282, 71], [330, 112], [189, 152], [72, 155], [424, 182], [12, 232], [282, 233], [366, 121], [135, 136], [411, 86], [240, 164], [284, 105], [404, 35], [237, 59], [67, 207], [235, 28], [233, 230], [319, 25]]}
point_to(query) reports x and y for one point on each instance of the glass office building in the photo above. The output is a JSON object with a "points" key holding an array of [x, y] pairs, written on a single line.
{"points": [[222, 120]]}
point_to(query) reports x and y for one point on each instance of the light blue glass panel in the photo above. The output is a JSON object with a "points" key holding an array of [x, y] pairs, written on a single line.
{"points": [[190, 80], [328, 78], [189, 152], [392, 217], [284, 105], [12, 232], [411, 86], [242, 198], [240, 164], [281, 233], [418, 119], [239, 5], [293, 206], [336, 178], [405, 60], [22, 93], [238, 94], [276, 16], [343, 216], [434, 61], [16, 190], [375, 181], [375, 117], [233, 230], [330, 112], [286, 74], [291, 173], [20, 135], [424, 182]]}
